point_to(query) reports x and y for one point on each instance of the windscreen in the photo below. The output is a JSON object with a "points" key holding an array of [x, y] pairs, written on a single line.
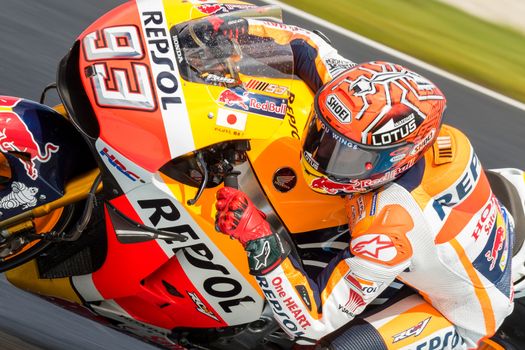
{"points": [[220, 59]]}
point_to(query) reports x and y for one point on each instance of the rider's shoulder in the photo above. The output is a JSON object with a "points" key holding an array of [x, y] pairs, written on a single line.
{"points": [[451, 158]]}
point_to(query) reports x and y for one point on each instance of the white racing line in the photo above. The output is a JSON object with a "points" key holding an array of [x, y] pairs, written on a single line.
{"points": [[305, 15]]}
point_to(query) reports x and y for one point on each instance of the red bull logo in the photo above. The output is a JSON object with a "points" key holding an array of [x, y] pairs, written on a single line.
{"points": [[327, 185], [497, 245], [16, 137], [8, 101], [232, 99]]}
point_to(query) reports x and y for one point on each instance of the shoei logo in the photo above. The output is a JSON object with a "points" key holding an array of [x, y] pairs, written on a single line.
{"points": [[338, 109]]}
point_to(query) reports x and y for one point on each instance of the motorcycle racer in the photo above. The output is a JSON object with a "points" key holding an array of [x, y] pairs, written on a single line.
{"points": [[420, 209]]}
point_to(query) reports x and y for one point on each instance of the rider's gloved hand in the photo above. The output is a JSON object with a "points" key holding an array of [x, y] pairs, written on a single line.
{"points": [[238, 217], [213, 26]]}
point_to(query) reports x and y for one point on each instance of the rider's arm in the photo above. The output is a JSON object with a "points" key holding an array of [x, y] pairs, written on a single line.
{"points": [[315, 61], [312, 309], [309, 309]]}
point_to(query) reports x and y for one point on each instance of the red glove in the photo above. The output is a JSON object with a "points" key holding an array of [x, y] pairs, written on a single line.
{"points": [[238, 217], [230, 27]]}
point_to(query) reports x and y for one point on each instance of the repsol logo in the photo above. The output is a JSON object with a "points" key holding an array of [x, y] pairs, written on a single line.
{"points": [[450, 340], [163, 64], [216, 280], [461, 189], [338, 109], [291, 326], [394, 135], [291, 117]]}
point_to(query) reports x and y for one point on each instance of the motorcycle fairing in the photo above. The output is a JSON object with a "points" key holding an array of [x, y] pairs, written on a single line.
{"points": [[135, 285], [127, 174], [129, 71], [36, 142], [204, 270]]}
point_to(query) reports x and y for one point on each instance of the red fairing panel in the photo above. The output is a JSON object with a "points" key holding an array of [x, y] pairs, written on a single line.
{"points": [[148, 285], [120, 85]]}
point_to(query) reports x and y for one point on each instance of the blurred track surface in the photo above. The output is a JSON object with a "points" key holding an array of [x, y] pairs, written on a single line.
{"points": [[36, 34]]}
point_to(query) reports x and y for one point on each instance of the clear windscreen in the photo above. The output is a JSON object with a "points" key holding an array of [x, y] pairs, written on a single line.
{"points": [[224, 60]]}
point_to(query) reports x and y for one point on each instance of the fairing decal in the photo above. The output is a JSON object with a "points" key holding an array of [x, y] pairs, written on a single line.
{"points": [[166, 75], [128, 174], [214, 275]]}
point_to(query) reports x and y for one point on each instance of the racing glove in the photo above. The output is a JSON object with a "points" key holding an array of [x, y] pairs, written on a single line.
{"points": [[238, 217], [230, 27]]}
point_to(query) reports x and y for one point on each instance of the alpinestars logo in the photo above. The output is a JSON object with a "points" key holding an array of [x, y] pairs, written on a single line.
{"points": [[262, 258], [413, 331]]}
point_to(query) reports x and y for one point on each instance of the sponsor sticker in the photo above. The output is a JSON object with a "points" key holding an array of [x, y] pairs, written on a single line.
{"points": [[413, 331], [261, 259], [496, 247], [355, 303], [373, 207], [254, 103], [285, 309], [338, 109], [166, 76], [486, 220], [212, 8], [201, 307], [231, 119], [421, 144], [117, 164], [255, 84], [218, 79], [394, 131], [336, 66], [20, 195], [303, 293], [15, 136], [284, 179]]}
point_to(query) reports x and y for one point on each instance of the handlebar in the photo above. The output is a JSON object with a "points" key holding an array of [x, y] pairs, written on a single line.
{"points": [[231, 179]]}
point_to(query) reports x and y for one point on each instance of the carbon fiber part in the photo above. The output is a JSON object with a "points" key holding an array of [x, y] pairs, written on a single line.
{"points": [[360, 335]]}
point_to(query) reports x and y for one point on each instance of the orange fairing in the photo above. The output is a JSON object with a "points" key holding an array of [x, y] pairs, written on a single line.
{"points": [[103, 69], [131, 66], [416, 323], [322, 210]]}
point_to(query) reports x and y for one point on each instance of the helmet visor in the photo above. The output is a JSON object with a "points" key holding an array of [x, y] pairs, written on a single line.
{"points": [[330, 153]]}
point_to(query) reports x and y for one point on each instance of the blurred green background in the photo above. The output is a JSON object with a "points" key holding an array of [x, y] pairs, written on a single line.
{"points": [[488, 54]]}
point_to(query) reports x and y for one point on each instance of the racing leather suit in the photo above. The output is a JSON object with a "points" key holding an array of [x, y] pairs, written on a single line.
{"points": [[438, 229]]}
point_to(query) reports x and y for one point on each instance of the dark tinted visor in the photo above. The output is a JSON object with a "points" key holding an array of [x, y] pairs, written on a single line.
{"points": [[330, 153]]}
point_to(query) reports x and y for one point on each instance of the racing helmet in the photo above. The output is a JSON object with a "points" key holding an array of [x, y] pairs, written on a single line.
{"points": [[368, 127]]}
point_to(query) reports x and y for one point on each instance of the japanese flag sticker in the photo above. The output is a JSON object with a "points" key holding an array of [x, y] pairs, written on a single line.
{"points": [[232, 119]]}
